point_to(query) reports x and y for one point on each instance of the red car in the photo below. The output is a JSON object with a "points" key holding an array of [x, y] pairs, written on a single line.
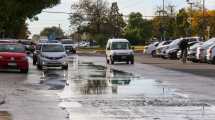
{"points": [[13, 56]]}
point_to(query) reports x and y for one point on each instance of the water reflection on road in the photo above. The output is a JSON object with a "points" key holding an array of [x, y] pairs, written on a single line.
{"points": [[91, 91]]}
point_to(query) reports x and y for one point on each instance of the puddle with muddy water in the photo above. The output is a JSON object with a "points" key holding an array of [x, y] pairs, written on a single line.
{"points": [[90, 79], [92, 92]]}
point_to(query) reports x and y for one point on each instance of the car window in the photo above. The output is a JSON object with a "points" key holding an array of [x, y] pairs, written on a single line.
{"points": [[53, 48], [120, 45], [175, 42], [12, 48]]}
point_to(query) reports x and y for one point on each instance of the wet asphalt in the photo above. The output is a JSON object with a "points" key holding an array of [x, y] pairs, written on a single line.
{"points": [[92, 90]]}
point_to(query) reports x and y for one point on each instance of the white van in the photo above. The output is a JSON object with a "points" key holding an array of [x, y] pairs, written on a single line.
{"points": [[119, 50]]}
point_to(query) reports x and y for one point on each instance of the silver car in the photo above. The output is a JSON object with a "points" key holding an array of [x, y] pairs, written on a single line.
{"points": [[52, 55]]}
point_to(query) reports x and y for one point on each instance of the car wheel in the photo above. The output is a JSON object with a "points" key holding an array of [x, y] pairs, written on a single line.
{"points": [[195, 61], [65, 67], [153, 53], [24, 70], [213, 61]]}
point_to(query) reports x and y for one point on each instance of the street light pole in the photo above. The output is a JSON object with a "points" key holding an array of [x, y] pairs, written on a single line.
{"points": [[203, 15], [163, 31], [191, 15]]}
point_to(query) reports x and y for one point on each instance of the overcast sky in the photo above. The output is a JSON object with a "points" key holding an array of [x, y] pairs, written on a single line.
{"points": [[146, 7]]}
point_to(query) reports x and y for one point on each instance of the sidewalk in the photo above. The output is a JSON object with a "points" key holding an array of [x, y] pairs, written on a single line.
{"points": [[202, 69]]}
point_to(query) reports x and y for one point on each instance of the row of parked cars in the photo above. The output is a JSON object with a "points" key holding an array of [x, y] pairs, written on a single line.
{"points": [[198, 51], [14, 54]]}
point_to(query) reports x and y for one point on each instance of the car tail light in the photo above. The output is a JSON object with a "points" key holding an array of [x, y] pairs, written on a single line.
{"points": [[210, 51]]}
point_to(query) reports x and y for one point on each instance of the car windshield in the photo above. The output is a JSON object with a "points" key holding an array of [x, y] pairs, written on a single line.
{"points": [[67, 42], [11, 48], [53, 48], [120, 45]]}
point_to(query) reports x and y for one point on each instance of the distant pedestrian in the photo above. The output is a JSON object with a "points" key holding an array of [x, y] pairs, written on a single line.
{"points": [[183, 45]]}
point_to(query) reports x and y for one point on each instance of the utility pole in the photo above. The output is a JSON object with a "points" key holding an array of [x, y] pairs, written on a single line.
{"points": [[163, 29], [98, 16], [190, 20], [203, 15]]}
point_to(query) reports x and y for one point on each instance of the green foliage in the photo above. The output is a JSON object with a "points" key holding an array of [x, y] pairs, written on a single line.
{"points": [[138, 30], [97, 20], [182, 23], [13, 14], [58, 32]]}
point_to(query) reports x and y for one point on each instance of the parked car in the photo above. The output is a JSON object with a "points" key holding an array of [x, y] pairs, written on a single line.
{"points": [[191, 56], [84, 44], [119, 50], [69, 45], [29, 47], [202, 50], [191, 52], [162, 45], [13, 56], [151, 49], [52, 55], [210, 55], [173, 47]]}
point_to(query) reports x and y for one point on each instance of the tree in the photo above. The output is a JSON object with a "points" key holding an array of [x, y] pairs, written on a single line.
{"points": [[182, 23], [138, 30], [116, 21], [56, 31], [97, 20], [13, 14]]}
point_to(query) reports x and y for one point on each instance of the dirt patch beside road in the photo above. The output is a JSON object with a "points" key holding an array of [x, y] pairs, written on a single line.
{"points": [[201, 69]]}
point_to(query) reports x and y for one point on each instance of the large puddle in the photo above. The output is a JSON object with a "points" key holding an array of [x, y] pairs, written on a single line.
{"points": [[90, 79], [93, 92]]}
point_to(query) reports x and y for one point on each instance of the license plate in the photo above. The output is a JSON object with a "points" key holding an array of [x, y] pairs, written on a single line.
{"points": [[12, 64]]}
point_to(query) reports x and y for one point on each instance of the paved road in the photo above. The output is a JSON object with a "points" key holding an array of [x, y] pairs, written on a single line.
{"points": [[202, 69], [92, 90], [152, 93]]}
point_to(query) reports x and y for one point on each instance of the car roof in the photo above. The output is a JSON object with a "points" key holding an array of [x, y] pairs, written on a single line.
{"points": [[118, 40]]}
